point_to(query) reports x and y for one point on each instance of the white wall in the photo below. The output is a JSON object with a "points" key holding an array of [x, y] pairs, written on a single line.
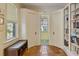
{"points": [[57, 26], [31, 25], [23, 25]]}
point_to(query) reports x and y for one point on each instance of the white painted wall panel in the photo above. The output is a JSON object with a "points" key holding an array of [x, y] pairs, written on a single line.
{"points": [[58, 29]]}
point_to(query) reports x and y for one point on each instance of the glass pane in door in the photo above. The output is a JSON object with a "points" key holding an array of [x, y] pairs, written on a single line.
{"points": [[44, 31]]}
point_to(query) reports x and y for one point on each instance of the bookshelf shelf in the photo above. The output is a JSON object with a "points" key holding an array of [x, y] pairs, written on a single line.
{"points": [[75, 10], [74, 44], [74, 25], [71, 27]]}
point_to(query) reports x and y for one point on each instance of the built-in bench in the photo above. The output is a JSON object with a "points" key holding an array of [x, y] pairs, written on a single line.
{"points": [[16, 49]]}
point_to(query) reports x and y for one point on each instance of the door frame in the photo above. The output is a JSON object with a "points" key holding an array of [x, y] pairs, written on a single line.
{"points": [[48, 16]]}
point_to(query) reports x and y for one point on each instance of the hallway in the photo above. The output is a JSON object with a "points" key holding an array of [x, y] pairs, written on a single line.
{"points": [[45, 29], [35, 23], [44, 51]]}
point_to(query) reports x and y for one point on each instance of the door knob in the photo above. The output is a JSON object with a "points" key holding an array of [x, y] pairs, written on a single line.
{"points": [[53, 33], [35, 33]]}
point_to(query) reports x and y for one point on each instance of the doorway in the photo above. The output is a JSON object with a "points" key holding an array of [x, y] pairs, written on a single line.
{"points": [[44, 35]]}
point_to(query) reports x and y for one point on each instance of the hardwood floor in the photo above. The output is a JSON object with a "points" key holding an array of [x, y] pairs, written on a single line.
{"points": [[44, 51]]}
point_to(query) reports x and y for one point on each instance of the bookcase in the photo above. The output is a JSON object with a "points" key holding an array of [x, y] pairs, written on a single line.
{"points": [[66, 27], [71, 28], [74, 35]]}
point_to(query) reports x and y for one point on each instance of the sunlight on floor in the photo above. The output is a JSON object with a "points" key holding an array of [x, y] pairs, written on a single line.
{"points": [[44, 50]]}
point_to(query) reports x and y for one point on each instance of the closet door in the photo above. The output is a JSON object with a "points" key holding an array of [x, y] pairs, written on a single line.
{"points": [[54, 40], [32, 29], [57, 29]]}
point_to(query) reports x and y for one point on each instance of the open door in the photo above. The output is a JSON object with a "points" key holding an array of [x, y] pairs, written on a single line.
{"points": [[44, 30]]}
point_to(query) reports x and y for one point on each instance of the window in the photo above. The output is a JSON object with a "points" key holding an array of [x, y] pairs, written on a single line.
{"points": [[11, 30], [44, 25]]}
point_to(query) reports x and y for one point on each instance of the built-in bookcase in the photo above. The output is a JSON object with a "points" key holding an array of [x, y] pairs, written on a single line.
{"points": [[71, 28], [66, 27], [74, 18]]}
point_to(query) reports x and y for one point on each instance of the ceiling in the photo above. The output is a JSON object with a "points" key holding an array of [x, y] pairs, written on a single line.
{"points": [[44, 6]]}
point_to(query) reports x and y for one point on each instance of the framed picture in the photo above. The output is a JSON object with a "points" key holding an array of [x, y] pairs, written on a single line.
{"points": [[1, 21]]}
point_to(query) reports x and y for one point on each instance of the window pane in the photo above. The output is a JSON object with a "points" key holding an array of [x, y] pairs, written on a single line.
{"points": [[11, 30], [44, 25]]}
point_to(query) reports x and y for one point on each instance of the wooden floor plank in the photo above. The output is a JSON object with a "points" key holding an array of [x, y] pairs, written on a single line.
{"points": [[44, 50]]}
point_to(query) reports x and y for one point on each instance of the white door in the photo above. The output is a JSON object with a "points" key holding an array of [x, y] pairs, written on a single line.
{"points": [[32, 29], [57, 32]]}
